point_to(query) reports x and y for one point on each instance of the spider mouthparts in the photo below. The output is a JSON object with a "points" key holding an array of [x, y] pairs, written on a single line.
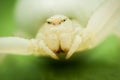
{"points": [[61, 53]]}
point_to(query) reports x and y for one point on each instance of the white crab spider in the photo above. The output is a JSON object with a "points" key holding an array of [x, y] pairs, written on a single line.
{"points": [[61, 34]]}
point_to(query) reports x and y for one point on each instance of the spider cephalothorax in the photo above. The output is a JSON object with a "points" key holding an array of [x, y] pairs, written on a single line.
{"points": [[56, 20], [60, 35]]}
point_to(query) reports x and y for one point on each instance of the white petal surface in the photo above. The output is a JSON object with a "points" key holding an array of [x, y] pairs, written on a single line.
{"points": [[31, 14]]}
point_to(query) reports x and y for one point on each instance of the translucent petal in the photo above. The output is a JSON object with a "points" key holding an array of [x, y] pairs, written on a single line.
{"points": [[31, 14]]}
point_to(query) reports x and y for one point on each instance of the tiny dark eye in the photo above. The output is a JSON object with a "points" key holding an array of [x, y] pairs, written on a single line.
{"points": [[64, 20], [49, 22]]}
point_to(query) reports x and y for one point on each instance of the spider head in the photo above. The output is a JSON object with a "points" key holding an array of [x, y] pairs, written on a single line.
{"points": [[57, 19]]}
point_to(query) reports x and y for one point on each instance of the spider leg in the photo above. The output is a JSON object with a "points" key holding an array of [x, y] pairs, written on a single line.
{"points": [[46, 50], [14, 45], [74, 47], [103, 21], [21, 46], [43, 48]]}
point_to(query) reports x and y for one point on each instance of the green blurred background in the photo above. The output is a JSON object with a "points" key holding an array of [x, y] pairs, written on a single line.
{"points": [[101, 63]]}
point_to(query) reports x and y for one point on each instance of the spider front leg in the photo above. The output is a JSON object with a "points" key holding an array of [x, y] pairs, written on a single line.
{"points": [[103, 21], [21, 46], [83, 40], [46, 50], [43, 46], [14, 45], [76, 42]]}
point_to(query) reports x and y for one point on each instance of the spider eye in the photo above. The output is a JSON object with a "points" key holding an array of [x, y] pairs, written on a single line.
{"points": [[63, 20], [49, 22]]}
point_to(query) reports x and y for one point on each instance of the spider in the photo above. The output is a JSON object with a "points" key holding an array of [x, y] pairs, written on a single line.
{"points": [[60, 34]]}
